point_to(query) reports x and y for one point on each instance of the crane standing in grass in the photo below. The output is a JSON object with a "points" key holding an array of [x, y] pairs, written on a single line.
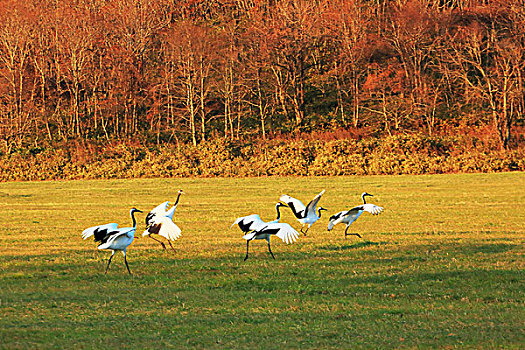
{"points": [[282, 230], [113, 238], [255, 228], [305, 215], [160, 221], [349, 216]]}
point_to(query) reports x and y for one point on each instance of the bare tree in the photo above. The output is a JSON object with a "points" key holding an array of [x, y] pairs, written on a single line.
{"points": [[295, 42], [349, 23], [412, 31], [75, 47], [487, 56], [15, 55], [188, 53]]}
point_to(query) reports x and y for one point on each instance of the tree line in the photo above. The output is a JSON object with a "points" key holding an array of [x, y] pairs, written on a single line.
{"points": [[190, 70]]}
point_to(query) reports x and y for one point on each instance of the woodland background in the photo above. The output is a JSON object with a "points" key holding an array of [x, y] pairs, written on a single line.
{"points": [[143, 88]]}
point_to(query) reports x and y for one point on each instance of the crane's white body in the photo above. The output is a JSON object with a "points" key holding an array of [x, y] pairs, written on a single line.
{"points": [[113, 238], [349, 216], [306, 215], [282, 230], [120, 241]]}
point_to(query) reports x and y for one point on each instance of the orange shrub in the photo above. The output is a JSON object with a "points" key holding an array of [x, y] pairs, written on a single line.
{"points": [[414, 154]]}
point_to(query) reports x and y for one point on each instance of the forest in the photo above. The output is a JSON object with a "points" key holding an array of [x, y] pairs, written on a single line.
{"points": [[81, 78]]}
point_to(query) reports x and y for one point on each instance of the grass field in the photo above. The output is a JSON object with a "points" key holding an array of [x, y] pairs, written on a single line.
{"points": [[442, 267]]}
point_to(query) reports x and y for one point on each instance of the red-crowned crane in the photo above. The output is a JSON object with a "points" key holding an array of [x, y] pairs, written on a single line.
{"points": [[160, 221], [113, 238], [305, 215], [255, 228], [349, 216], [282, 230]]}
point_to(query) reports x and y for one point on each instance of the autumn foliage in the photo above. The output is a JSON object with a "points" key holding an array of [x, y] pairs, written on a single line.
{"points": [[185, 76]]}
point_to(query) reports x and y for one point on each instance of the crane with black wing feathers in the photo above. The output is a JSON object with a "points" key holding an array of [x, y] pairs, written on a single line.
{"points": [[113, 238], [306, 215], [255, 228], [160, 221], [349, 216]]}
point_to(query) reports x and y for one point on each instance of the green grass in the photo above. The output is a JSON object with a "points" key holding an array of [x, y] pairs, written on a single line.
{"points": [[442, 267]]}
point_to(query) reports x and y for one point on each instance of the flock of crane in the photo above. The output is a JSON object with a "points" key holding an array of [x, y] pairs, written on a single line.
{"points": [[159, 221]]}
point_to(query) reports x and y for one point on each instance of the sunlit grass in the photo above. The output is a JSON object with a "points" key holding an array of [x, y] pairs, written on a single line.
{"points": [[441, 267]]}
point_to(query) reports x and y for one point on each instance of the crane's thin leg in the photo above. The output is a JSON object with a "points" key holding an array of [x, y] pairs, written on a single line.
{"points": [[304, 233], [161, 243], [351, 234], [171, 246], [247, 247], [109, 262], [270, 250], [126, 261]]}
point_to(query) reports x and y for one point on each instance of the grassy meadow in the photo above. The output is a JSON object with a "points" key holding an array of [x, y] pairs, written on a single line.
{"points": [[441, 267]]}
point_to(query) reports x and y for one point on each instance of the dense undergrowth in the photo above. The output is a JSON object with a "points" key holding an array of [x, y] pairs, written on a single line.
{"points": [[407, 154]]}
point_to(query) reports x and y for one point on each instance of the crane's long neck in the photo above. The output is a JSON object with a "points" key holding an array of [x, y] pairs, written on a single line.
{"points": [[319, 212], [177, 200], [278, 213], [133, 218], [170, 212], [364, 199]]}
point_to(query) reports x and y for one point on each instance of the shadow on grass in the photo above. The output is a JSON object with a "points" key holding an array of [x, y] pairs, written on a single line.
{"points": [[490, 248], [357, 245], [5, 194]]}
